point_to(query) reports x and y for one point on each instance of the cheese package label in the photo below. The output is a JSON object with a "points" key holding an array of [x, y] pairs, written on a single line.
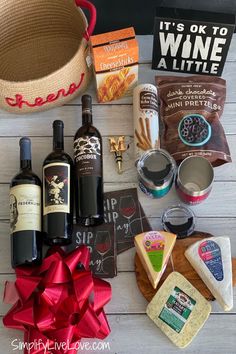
{"points": [[211, 258], [154, 249], [210, 253], [154, 244], [179, 310]]}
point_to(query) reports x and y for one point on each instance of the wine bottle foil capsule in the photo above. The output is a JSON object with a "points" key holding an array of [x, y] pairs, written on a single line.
{"points": [[156, 172]]}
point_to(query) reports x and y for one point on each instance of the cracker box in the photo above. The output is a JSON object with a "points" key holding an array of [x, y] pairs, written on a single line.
{"points": [[115, 58]]}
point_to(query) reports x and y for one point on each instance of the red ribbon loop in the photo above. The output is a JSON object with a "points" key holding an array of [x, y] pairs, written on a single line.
{"points": [[56, 303]]}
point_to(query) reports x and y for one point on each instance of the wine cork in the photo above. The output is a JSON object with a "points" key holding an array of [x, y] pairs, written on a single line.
{"points": [[146, 119]]}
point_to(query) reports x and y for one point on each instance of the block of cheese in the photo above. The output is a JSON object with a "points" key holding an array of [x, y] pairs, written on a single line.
{"points": [[211, 258], [179, 310], [154, 249]]}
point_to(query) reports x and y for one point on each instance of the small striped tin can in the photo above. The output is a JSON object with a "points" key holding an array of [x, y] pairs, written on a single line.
{"points": [[156, 173], [194, 180]]}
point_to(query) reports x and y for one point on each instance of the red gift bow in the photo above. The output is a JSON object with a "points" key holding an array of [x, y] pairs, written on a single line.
{"points": [[57, 303]]}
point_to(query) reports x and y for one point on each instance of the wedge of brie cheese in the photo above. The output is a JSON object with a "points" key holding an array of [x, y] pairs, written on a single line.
{"points": [[154, 249], [211, 258]]}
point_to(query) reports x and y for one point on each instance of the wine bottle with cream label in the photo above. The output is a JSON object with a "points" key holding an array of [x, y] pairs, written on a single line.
{"points": [[58, 191], [25, 212]]}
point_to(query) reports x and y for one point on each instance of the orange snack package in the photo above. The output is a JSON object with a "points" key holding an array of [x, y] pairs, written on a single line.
{"points": [[115, 58]]}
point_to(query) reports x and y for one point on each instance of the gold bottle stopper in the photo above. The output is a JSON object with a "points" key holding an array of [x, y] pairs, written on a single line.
{"points": [[118, 146]]}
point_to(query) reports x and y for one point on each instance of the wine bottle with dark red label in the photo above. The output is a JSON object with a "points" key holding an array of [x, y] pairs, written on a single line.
{"points": [[88, 169], [25, 212], [58, 191]]}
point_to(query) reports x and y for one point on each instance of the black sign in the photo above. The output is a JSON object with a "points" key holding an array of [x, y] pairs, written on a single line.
{"points": [[191, 41], [124, 219], [123, 208], [102, 245]]}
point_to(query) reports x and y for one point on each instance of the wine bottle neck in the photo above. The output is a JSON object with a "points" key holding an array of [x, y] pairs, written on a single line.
{"points": [[25, 154], [25, 164], [58, 137], [87, 118]]}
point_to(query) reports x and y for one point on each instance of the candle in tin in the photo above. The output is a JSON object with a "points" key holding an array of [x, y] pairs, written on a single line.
{"points": [[156, 171], [194, 179]]}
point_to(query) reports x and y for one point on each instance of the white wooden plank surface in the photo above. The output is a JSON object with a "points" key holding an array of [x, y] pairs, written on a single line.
{"points": [[132, 331], [41, 146], [134, 334], [216, 226], [126, 297], [118, 119], [220, 203], [137, 334]]}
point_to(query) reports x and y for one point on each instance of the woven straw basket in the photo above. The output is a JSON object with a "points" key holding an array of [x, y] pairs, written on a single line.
{"points": [[43, 53]]}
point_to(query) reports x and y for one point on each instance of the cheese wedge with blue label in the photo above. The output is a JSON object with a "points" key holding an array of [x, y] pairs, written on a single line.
{"points": [[154, 249], [211, 258]]}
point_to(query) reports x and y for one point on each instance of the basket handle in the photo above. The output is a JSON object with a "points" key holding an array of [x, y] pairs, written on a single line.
{"points": [[93, 16]]}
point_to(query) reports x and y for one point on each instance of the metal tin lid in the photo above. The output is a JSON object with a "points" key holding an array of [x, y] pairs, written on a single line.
{"points": [[179, 220], [156, 167]]}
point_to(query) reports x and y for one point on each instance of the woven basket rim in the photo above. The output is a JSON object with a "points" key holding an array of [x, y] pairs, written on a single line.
{"points": [[54, 73]]}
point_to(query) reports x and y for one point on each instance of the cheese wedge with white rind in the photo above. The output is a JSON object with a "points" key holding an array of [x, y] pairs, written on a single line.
{"points": [[149, 245], [211, 258], [179, 309]]}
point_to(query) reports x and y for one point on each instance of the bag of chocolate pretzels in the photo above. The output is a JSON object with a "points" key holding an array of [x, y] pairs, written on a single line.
{"points": [[190, 110]]}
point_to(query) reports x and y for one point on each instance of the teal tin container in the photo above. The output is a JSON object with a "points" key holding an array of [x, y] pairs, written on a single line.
{"points": [[156, 173]]}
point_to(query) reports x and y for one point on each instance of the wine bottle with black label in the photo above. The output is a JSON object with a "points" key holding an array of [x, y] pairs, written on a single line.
{"points": [[25, 212], [88, 169], [58, 191]]}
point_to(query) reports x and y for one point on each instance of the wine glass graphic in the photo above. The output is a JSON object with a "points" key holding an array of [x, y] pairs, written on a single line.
{"points": [[127, 209], [102, 245]]}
